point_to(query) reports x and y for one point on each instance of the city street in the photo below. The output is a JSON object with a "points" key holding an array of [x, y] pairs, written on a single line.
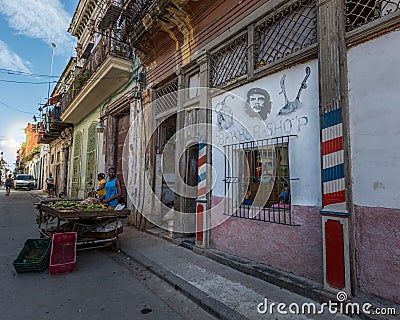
{"points": [[104, 285]]}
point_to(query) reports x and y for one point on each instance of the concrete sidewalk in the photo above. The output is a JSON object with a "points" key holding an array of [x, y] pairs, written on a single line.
{"points": [[221, 290]]}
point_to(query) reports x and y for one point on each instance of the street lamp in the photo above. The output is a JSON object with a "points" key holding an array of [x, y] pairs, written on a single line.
{"points": [[53, 45]]}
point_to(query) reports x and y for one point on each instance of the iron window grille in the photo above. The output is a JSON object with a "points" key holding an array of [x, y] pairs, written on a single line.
{"points": [[257, 180], [166, 98], [229, 63], [289, 30], [361, 12]]}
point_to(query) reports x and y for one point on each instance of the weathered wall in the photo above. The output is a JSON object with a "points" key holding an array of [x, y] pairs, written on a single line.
{"points": [[294, 249], [375, 141], [206, 21], [378, 251]]}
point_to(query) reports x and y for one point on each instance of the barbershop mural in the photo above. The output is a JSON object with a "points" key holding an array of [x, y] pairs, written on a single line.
{"points": [[282, 110]]}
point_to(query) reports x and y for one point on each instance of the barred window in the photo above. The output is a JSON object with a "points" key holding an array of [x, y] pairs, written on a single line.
{"points": [[229, 63], [257, 182], [285, 32], [361, 12], [166, 98]]}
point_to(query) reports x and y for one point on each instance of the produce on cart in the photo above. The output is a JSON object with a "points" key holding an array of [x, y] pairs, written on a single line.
{"points": [[95, 224]]}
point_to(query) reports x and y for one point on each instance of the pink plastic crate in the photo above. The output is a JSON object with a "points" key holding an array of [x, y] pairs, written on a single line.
{"points": [[63, 252]]}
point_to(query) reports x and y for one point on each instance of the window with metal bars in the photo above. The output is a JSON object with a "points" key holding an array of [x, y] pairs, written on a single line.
{"points": [[361, 12], [285, 32], [166, 98], [229, 63], [257, 181]]}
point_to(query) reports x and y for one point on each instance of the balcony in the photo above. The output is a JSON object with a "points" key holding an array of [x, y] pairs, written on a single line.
{"points": [[107, 69], [51, 127], [111, 13]]}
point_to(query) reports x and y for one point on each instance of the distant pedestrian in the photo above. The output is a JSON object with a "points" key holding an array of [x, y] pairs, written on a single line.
{"points": [[50, 186], [9, 183]]}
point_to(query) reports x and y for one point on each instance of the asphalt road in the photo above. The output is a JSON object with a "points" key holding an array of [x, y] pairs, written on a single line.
{"points": [[105, 285]]}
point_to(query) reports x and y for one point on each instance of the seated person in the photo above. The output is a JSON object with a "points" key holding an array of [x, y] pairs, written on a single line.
{"points": [[247, 198], [283, 200], [284, 197]]}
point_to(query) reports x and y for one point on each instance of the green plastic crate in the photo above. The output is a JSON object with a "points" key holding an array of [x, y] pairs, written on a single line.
{"points": [[34, 256]]}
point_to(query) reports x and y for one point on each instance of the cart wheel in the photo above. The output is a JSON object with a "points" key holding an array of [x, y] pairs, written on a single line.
{"points": [[115, 246]]}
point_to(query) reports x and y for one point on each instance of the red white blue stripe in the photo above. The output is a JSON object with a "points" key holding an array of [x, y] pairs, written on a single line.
{"points": [[202, 171], [333, 158]]}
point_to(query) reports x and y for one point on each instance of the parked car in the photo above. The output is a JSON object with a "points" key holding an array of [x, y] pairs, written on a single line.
{"points": [[24, 181]]}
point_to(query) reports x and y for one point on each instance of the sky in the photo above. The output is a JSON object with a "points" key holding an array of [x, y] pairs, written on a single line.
{"points": [[27, 30]]}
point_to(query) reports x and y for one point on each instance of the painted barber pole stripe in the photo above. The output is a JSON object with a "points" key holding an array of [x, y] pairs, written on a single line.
{"points": [[333, 158], [333, 173], [334, 186], [202, 161], [332, 132], [201, 192], [202, 184], [202, 149], [202, 177], [333, 145], [202, 171], [334, 197], [332, 118]]}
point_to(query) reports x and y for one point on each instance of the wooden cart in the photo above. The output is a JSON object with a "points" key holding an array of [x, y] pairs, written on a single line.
{"points": [[91, 226]]}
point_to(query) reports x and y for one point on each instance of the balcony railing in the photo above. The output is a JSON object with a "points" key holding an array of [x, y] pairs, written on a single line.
{"points": [[105, 48], [136, 11], [50, 128]]}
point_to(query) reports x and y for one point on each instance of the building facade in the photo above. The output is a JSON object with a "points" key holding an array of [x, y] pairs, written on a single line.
{"points": [[102, 74], [311, 208]]}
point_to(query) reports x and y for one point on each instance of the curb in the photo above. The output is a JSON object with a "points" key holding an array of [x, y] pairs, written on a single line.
{"points": [[209, 304], [290, 282]]}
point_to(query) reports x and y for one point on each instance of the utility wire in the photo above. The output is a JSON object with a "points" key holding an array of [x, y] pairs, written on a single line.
{"points": [[26, 74], [26, 82], [90, 79], [15, 109]]}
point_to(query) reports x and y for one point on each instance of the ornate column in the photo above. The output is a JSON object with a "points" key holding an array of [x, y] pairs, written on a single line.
{"points": [[336, 180]]}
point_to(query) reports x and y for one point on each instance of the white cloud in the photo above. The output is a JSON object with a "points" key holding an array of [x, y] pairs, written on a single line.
{"points": [[10, 60], [42, 19], [9, 146]]}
